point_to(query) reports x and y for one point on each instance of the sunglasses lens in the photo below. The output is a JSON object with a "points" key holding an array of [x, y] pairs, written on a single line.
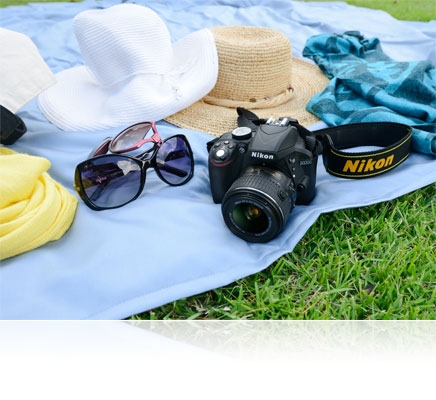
{"points": [[130, 137], [175, 161], [110, 181]]}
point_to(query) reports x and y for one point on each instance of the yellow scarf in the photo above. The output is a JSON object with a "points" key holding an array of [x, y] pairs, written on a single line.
{"points": [[34, 208]]}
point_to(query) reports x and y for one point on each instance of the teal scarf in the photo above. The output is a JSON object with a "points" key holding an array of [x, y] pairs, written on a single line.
{"points": [[368, 86]]}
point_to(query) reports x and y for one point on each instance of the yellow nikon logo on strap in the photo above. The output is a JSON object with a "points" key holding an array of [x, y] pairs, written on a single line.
{"points": [[369, 165]]}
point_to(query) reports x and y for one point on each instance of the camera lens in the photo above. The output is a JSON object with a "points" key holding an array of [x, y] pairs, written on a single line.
{"points": [[250, 217], [257, 205]]}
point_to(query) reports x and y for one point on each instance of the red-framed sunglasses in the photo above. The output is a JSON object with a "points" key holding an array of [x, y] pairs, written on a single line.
{"points": [[112, 180]]}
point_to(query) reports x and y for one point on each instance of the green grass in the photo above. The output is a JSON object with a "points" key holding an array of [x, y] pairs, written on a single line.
{"points": [[376, 262], [407, 10]]}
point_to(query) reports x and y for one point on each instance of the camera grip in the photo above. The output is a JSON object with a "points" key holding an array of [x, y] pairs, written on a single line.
{"points": [[306, 185], [225, 164]]}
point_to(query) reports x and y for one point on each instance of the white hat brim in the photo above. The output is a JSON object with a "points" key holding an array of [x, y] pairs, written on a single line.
{"points": [[78, 102]]}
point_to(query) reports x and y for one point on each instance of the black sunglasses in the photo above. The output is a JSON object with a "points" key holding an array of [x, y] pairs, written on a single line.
{"points": [[107, 181]]}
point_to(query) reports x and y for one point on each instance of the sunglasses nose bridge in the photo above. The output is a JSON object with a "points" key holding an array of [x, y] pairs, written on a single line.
{"points": [[146, 164], [156, 137]]}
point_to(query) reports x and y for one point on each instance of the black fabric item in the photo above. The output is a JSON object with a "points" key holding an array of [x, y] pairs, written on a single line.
{"points": [[12, 127]]}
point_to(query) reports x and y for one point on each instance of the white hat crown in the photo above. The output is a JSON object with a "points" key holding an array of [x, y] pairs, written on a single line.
{"points": [[116, 47], [132, 71]]}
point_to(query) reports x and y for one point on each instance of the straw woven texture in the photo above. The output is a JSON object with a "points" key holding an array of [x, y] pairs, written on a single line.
{"points": [[256, 71]]}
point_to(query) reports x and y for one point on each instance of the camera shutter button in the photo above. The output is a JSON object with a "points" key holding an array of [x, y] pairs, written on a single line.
{"points": [[221, 154]]}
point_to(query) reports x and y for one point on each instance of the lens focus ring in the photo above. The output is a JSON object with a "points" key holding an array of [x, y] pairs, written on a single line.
{"points": [[258, 203]]}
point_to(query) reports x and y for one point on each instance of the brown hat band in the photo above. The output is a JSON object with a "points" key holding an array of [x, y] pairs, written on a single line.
{"points": [[266, 102]]}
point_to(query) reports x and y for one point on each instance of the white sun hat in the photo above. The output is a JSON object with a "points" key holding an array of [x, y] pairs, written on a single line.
{"points": [[132, 71], [24, 73]]}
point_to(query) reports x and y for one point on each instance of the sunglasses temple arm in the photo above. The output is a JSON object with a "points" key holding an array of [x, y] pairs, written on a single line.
{"points": [[175, 171], [98, 191], [102, 185]]}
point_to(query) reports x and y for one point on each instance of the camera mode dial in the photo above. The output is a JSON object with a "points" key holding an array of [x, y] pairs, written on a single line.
{"points": [[242, 133]]}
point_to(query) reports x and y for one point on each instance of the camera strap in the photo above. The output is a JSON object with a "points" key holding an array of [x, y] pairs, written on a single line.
{"points": [[393, 141]]}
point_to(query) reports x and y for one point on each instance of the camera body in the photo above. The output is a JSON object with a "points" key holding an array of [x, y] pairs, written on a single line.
{"points": [[259, 175]]}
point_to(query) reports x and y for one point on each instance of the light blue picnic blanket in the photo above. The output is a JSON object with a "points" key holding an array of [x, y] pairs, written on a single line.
{"points": [[172, 241], [368, 86]]}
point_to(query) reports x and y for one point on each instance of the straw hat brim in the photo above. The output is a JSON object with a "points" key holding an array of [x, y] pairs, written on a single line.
{"points": [[308, 80]]}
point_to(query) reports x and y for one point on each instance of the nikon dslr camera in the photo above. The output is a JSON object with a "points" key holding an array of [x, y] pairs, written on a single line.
{"points": [[259, 175]]}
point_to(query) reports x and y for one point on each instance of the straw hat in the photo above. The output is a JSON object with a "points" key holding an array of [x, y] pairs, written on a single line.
{"points": [[256, 71], [132, 72]]}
